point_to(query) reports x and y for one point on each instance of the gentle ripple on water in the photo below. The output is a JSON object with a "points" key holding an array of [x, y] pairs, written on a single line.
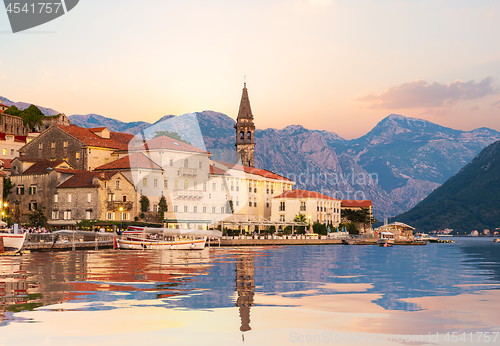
{"points": [[400, 290]]}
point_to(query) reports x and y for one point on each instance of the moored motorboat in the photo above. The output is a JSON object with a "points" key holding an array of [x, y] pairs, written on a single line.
{"points": [[386, 239], [496, 240], [146, 238], [426, 237], [12, 243]]}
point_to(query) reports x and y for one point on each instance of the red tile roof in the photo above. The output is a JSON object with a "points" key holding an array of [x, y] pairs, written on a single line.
{"points": [[256, 171], [116, 141], [7, 163], [167, 143], [356, 204], [42, 167], [304, 194], [97, 129], [217, 171], [80, 179], [134, 160]]}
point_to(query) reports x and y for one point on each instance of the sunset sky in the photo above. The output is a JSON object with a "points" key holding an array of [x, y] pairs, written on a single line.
{"points": [[340, 66]]}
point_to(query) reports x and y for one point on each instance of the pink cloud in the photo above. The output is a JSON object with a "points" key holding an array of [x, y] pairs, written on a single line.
{"points": [[420, 94]]}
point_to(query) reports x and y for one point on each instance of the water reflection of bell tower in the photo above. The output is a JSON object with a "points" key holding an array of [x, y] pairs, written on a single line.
{"points": [[245, 287]]}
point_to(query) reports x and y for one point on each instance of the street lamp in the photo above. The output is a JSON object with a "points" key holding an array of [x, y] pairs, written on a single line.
{"points": [[310, 225], [121, 219]]}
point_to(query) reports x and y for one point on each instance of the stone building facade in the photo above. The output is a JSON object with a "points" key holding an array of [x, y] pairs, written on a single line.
{"points": [[35, 182], [82, 148]]}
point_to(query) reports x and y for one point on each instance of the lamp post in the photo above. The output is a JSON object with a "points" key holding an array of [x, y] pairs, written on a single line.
{"points": [[121, 219], [310, 225]]}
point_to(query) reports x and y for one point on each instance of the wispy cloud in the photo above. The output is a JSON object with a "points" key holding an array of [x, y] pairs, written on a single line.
{"points": [[421, 94], [496, 103]]}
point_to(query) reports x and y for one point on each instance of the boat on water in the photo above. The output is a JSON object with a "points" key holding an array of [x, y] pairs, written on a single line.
{"points": [[148, 238], [426, 237], [496, 240], [386, 239], [12, 243]]}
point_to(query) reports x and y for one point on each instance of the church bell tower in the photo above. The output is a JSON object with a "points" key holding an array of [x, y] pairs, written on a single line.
{"points": [[245, 128]]}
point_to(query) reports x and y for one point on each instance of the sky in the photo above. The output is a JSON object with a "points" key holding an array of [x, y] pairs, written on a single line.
{"points": [[340, 66]]}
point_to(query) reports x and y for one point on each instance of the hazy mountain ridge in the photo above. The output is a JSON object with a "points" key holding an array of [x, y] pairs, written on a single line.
{"points": [[467, 201], [406, 158]]}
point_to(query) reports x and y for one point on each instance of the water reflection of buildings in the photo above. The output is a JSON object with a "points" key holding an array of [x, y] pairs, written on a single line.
{"points": [[245, 286]]}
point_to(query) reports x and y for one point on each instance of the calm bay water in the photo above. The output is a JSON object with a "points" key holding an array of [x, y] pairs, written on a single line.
{"points": [[359, 295]]}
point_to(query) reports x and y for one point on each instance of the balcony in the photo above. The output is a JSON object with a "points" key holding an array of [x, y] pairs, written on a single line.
{"points": [[187, 172], [116, 205], [188, 194]]}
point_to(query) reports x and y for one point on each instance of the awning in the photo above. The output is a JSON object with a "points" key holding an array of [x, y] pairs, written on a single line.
{"points": [[62, 222]]}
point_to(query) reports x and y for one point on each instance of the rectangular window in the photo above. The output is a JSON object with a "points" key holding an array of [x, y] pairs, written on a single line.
{"points": [[171, 163], [118, 185], [249, 189], [282, 206], [108, 215], [87, 215], [65, 144], [185, 209], [249, 203], [195, 209], [106, 160], [255, 203], [69, 197], [20, 190], [144, 181], [214, 186], [302, 206], [200, 165], [67, 215], [255, 190], [213, 210], [282, 218], [195, 186], [55, 215], [56, 198], [155, 207], [176, 184], [124, 198], [11, 152], [155, 182], [165, 183], [205, 210], [53, 145], [89, 197], [205, 186], [77, 155], [40, 146], [124, 216], [114, 197], [175, 208], [222, 210]]}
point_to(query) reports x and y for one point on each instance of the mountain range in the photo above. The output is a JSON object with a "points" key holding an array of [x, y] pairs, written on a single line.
{"points": [[469, 200], [396, 165]]}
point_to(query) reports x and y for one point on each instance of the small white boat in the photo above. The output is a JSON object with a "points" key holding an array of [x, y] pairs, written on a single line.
{"points": [[426, 237], [146, 238], [12, 243], [386, 239]]}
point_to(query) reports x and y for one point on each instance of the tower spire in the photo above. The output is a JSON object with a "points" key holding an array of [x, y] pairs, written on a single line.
{"points": [[245, 128]]}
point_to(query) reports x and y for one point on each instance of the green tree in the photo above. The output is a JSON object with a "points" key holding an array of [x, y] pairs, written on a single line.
{"points": [[37, 218], [320, 228], [173, 135], [144, 201], [300, 218], [162, 207], [7, 188]]}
